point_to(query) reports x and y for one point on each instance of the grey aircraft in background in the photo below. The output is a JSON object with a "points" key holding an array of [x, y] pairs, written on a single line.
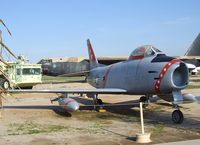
{"points": [[147, 72], [63, 66]]}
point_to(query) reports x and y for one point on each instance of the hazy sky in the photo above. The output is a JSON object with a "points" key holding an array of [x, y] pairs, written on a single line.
{"points": [[59, 28]]}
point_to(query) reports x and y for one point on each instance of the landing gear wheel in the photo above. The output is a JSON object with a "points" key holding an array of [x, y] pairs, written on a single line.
{"points": [[177, 117], [6, 85], [143, 99], [99, 102]]}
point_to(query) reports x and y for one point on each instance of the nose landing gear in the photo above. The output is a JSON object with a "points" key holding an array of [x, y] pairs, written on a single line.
{"points": [[145, 100], [177, 116]]}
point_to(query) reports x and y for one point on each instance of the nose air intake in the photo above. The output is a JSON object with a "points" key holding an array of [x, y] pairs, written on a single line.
{"points": [[180, 76]]}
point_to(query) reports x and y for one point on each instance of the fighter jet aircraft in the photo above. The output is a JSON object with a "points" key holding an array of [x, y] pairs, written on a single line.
{"points": [[147, 72]]}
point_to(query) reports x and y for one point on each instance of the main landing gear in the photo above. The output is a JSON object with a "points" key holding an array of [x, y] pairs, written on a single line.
{"points": [[177, 116], [145, 100], [97, 103]]}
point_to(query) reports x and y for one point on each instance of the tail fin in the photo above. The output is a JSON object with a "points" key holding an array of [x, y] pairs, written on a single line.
{"points": [[93, 61], [194, 49]]}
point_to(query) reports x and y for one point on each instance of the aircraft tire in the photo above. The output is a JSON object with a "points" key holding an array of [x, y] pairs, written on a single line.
{"points": [[99, 101], [143, 99], [177, 117]]}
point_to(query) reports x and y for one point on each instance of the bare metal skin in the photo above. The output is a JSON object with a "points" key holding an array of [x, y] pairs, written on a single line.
{"points": [[144, 73], [147, 72]]}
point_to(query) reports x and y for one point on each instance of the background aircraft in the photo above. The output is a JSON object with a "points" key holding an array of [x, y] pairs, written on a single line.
{"points": [[55, 67], [147, 72]]}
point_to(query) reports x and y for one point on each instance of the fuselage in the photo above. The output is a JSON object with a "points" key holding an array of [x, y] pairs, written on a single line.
{"points": [[155, 74]]}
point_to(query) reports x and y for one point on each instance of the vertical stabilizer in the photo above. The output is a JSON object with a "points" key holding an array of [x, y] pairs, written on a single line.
{"points": [[92, 58], [194, 49]]}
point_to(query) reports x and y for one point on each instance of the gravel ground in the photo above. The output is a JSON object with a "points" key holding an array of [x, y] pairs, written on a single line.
{"points": [[32, 119]]}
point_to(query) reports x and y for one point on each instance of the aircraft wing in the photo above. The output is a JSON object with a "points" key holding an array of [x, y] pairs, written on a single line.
{"points": [[71, 91]]}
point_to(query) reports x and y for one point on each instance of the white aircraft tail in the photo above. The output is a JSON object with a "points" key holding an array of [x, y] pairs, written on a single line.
{"points": [[92, 58]]}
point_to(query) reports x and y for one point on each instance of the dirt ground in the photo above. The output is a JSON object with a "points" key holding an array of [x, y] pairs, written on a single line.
{"points": [[32, 119]]}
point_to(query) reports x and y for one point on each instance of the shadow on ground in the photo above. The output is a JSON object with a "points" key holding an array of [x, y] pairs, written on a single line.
{"points": [[153, 116]]}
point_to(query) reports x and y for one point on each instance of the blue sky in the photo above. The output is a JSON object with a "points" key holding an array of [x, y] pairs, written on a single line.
{"points": [[59, 28]]}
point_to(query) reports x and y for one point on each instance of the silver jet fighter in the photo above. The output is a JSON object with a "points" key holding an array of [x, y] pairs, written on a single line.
{"points": [[147, 72]]}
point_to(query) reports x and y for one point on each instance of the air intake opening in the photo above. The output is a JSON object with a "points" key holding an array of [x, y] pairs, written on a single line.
{"points": [[180, 76]]}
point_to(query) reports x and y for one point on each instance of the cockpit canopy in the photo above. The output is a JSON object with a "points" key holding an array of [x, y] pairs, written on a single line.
{"points": [[144, 51]]}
